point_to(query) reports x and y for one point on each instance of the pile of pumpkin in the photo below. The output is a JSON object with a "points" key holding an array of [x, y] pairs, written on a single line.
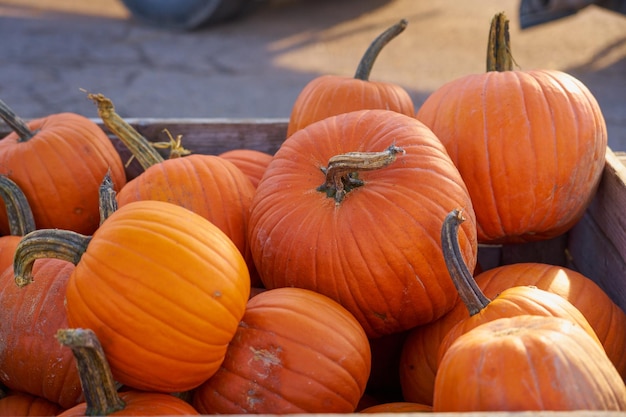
{"points": [[320, 278]]}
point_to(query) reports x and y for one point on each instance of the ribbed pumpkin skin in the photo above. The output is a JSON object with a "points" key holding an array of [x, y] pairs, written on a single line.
{"points": [[419, 354], [22, 404], [67, 160], [251, 162], [208, 185], [329, 95], [142, 404], [527, 363], [530, 146], [31, 359], [378, 252], [296, 351], [164, 290]]}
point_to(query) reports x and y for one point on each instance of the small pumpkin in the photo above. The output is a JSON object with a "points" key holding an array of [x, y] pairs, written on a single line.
{"points": [[31, 360], [329, 95], [514, 301], [23, 404], [101, 396], [69, 154], [351, 207], [530, 145], [419, 358], [162, 287], [527, 363], [251, 162], [295, 351]]}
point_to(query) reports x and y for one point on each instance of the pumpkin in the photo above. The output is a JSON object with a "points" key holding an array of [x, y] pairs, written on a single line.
{"points": [[511, 302], [527, 363], [101, 396], [250, 161], [329, 95], [295, 351], [208, 185], [530, 145], [398, 407], [23, 404], [31, 360], [162, 287], [419, 358], [69, 154], [351, 207]]}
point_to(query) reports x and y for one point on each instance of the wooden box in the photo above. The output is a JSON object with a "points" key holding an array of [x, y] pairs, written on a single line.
{"points": [[596, 246]]}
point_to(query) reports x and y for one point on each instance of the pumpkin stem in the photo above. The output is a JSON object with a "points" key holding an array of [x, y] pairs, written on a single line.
{"points": [[138, 145], [471, 295], [342, 171], [367, 61], [107, 201], [19, 214], [46, 243], [499, 57], [96, 379], [15, 122]]}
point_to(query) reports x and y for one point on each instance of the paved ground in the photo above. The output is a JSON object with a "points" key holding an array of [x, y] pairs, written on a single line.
{"points": [[255, 66]]}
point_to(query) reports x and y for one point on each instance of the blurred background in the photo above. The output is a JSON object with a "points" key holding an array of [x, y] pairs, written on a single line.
{"points": [[254, 64]]}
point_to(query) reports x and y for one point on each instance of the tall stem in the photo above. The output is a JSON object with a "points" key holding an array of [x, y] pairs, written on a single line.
{"points": [[471, 295], [16, 124], [96, 379], [367, 61], [46, 243], [18, 209], [139, 146], [499, 56]]}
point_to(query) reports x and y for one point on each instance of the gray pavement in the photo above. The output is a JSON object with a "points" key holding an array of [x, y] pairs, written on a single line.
{"points": [[255, 66]]}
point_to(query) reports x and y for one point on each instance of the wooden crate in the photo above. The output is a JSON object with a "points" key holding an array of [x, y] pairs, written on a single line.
{"points": [[596, 246]]}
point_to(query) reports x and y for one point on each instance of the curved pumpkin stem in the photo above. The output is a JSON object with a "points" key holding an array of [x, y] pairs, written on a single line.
{"points": [[139, 146], [96, 379], [15, 122], [342, 171], [107, 201], [367, 61], [46, 243], [499, 57], [471, 295], [19, 214]]}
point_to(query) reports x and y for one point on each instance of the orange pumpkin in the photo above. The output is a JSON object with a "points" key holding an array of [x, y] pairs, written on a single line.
{"points": [[69, 154], [162, 287], [251, 162], [295, 351], [23, 404], [31, 360], [514, 301], [530, 145], [367, 238], [527, 363], [329, 95], [420, 351]]}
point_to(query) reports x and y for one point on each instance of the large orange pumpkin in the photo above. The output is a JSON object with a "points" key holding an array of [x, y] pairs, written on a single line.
{"points": [[329, 95], [368, 239], [162, 287], [296, 351], [67, 154], [530, 145], [527, 363]]}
